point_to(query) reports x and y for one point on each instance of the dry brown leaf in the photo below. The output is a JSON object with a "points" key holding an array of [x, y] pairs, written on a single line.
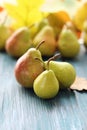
{"points": [[79, 84]]}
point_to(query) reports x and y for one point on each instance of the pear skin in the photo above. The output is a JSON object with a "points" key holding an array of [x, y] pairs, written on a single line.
{"points": [[19, 42], [46, 34], [46, 85], [28, 68], [64, 72]]}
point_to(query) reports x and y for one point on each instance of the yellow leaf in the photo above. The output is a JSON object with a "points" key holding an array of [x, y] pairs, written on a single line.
{"points": [[25, 12], [13, 11]]}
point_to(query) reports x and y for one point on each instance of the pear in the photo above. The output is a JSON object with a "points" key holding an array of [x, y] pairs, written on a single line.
{"points": [[37, 27], [46, 34], [28, 68], [68, 43], [4, 34], [56, 23], [19, 42], [80, 15], [44, 22], [64, 71], [46, 85]]}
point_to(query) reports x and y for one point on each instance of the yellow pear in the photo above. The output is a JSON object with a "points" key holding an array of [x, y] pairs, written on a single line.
{"points": [[46, 85], [80, 15]]}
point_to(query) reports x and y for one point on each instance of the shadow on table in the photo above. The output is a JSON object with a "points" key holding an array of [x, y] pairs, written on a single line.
{"points": [[62, 96]]}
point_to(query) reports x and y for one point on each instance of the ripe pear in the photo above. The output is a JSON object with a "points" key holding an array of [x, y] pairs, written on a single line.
{"points": [[28, 68], [19, 42], [64, 71], [46, 34], [46, 85], [4, 34], [68, 43]]}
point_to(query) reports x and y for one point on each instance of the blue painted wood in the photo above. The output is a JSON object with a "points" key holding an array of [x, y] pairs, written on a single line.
{"points": [[21, 109]]}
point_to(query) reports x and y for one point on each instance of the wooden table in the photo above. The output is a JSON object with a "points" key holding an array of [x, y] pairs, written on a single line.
{"points": [[21, 109]]}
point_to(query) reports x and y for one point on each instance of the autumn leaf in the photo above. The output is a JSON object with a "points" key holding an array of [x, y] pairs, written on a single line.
{"points": [[79, 84], [1, 9], [24, 12]]}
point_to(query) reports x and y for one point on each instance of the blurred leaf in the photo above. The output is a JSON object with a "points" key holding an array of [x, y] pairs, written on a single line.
{"points": [[1, 9], [25, 12], [79, 84]]}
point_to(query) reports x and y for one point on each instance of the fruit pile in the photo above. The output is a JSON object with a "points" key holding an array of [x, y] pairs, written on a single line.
{"points": [[45, 77], [61, 34]]}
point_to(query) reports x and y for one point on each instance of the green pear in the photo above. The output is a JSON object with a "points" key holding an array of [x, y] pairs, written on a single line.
{"points": [[4, 34], [42, 23], [37, 27], [64, 72], [28, 67], [19, 42], [68, 43], [46, 85], [46, 34]]}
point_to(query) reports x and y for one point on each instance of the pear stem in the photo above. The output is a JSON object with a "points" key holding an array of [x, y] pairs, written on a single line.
{"points": [[52, 58], [37, 47]]}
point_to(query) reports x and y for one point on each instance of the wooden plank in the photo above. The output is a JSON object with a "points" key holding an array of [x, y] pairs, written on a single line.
{"points": [[21, 109]]}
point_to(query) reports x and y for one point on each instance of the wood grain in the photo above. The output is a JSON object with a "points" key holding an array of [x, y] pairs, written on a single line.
{"points": [[21, 109]]}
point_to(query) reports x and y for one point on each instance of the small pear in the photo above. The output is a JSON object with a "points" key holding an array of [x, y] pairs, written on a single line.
{"points": [[28, 68], [68, 43], [4, 34], [19, 42], [37, 27], [46, 85], [64, 71], [46, 34], [42, 24]]}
